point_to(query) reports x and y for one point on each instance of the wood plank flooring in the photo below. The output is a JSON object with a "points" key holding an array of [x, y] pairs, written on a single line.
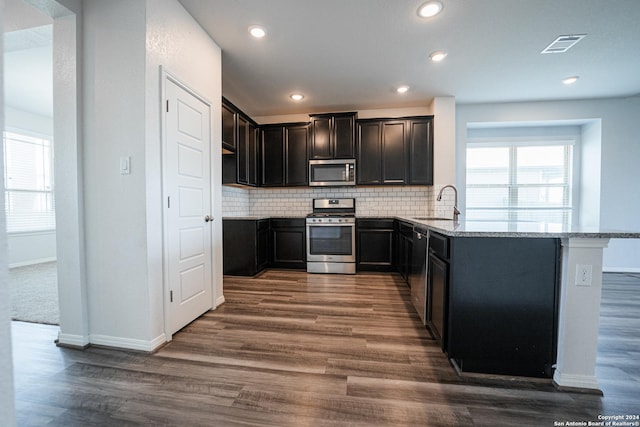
{"points": [[292, 349]]}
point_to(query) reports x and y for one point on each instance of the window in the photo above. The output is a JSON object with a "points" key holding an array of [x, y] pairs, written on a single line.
{"points": [[520, 182], [28, 177]]}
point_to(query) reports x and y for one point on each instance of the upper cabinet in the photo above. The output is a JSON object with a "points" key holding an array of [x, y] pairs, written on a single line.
{"points": [[395, 151], [284, 154], [332, 136], [229, 131], [239, 147]]}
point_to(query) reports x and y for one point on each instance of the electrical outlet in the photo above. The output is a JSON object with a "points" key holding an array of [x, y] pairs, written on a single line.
{"points": [[583, 274]]}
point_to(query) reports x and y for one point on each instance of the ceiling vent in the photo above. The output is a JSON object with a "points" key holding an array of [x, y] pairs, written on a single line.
{"points": [[563, 43]]}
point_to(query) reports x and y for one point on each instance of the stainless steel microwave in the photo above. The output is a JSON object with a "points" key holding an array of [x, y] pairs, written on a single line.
{"points": [[324, 173]]}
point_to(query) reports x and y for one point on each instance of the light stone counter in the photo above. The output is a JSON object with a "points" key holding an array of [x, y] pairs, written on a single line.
{"points": [[519, 229]]}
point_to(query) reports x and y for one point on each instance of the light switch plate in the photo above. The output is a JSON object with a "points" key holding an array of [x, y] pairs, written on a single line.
{"points": [[125, 165]]}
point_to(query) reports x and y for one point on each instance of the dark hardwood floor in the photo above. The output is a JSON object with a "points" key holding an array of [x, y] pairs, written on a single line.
{"points": [[292, 349]]}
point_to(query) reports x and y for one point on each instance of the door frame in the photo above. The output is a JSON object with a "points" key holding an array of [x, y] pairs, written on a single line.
{"points": [[166, 76]]}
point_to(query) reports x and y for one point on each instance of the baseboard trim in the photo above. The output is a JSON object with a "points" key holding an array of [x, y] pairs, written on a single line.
{"points": [[128, 343], [32, 262], [620, 270], [72, 341], [577, 383], [219, 300]]}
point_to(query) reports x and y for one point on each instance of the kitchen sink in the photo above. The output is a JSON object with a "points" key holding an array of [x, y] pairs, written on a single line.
{"points": [[432, 218]]}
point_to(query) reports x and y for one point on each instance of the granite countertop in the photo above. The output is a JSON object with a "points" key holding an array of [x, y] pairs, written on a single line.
{"points": [[489, 228]]}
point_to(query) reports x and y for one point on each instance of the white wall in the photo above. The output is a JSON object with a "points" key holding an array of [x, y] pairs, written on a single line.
{"points": [[175, 41], [31, 248], [125, 44], [620, 149], [114, 126]]}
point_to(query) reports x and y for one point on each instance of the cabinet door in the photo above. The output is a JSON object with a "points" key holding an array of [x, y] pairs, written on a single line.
{"points": [[375, 250], [273, 156], [253, 156], [393, 152], [369, 164], [421, 151], [288, 243], [437, 299], [344, 135], [320, 138], [228, 128], [297, 140], [262, 244], [242, 150]]}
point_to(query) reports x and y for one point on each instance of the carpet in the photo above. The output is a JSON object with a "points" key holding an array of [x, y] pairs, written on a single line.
{"points": [[34, 293]]}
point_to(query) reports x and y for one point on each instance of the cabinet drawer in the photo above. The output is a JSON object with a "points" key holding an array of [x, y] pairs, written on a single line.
{"points": [[287, 222], [439, 245], [374, 224]]}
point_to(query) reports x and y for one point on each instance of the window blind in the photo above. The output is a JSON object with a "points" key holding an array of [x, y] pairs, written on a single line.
{"points": [[28, 177], [519, 182]]}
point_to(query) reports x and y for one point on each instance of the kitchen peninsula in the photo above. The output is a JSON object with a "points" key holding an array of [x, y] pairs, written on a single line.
{"points": [[495, 259]]}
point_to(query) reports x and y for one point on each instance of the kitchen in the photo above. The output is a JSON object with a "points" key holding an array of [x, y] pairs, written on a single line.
{"points": [[117, 312]]}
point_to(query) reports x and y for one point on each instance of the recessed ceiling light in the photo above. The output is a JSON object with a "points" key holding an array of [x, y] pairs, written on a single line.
{"points": [[570, 80], [296, 96], [257, 31], [438, 56], [429, 9], [402, 89]]}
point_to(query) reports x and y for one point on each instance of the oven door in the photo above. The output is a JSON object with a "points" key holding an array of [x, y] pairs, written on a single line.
{"points": [[331, 242]]}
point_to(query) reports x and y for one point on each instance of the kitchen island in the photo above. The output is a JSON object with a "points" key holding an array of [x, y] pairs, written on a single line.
{"points": [[489, 255]]}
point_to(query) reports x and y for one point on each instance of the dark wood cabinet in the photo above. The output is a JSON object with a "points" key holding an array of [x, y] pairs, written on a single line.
{"points": [[245, 246], [395, 151], [437, 287], [240, 147], [404, 246], [247, 152], [502, 305], [332, 136], [394, 134], [284, 155], [418, 275], [297, 143], [374, 245], [368, 163], [228, 126], [288, 243], [272, 139], [420, 150]]}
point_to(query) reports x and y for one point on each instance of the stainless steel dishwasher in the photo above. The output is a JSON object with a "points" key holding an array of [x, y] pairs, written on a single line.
{"points": [[418, 277]]}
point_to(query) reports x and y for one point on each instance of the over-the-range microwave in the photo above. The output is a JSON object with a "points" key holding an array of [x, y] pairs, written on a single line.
{"points": [[332, 172]]}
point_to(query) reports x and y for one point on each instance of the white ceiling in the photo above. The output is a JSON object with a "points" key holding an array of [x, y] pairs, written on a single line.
{"points": [[351, 54]]}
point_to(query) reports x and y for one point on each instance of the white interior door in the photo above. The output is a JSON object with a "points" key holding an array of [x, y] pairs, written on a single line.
{"points": [[187, 180]]}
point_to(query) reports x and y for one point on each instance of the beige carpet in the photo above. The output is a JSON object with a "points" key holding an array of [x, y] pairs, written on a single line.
{"points": [[34, 293]]}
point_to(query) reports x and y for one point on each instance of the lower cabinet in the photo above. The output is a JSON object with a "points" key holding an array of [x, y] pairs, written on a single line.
{"points": [[501, 316], [288, 243], [245, 246], [438, 287], [404, 245], [374, 244]]}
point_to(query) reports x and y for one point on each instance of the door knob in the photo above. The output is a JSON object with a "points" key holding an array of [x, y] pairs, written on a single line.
{"points": [[208, 218]]}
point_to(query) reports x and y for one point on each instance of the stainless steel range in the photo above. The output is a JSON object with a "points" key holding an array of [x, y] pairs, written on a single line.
{"points": [[331, 236]]}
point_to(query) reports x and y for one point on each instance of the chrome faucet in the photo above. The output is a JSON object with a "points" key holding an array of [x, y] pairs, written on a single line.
{"points": [[456, 212]]}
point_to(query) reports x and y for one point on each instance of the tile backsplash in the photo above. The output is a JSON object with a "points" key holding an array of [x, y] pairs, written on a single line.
{"points": [[387, 201]]}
